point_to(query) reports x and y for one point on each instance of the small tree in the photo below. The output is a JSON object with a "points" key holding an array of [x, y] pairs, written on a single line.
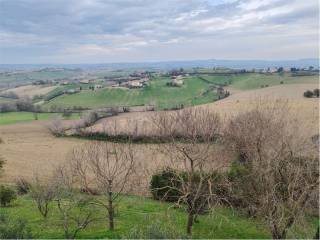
{"points": [[43, 193], [76, 209], [191, 133], [7, 195], [106, 167]]}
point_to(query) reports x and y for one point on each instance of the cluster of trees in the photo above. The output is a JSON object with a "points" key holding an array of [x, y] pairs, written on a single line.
{"points": [[310, 94], [20, 105]]}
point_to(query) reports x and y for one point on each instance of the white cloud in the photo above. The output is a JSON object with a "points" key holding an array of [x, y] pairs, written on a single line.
{"points": [[106, 30]]}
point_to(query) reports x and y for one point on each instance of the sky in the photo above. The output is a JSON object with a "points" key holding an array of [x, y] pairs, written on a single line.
{"points": [[107, 31]]}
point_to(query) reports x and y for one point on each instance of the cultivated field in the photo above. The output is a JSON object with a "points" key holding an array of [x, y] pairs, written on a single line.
{"points": [[30, 90]]}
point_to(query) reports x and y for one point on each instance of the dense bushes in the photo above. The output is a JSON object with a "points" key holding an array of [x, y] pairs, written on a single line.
{"points": [[310, 94], [164, 185], [231, 188], [20, 105], [7, 195]]}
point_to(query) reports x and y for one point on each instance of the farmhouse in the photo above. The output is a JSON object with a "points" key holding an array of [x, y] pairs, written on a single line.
{"points": [[65, 83], [135, 83], [177, 81], [84, 81]]}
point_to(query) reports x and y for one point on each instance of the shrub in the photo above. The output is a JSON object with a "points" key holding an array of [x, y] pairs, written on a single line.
{"points": [[164, 185], [281, 82], [22, 186], [89, 118], [316, 92], [13, 229], [56, 128], [7, 195], [308, 94]]}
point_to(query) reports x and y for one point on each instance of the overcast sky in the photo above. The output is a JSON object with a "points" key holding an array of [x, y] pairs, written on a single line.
{"points": [[102, 31]]}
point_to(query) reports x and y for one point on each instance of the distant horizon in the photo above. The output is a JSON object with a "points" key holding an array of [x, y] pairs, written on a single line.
{"points": [[168, 61], [202, 63]]}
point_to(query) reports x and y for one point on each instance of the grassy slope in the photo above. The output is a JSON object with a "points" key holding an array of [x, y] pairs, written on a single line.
{"points": [[254, 81], [164, 96], [16, 117], [137, 212], [157, 93], [134, 213]]}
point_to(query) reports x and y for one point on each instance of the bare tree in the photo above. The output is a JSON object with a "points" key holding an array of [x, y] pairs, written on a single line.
{"points": [[76, 209], [281, 168], [43, 193], [106, 167], [193, 155], [56, 128]]}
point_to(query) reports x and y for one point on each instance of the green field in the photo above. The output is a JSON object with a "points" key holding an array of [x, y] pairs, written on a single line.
{"points": [[193, 92], [17, 117], [157, 93], [135, 213], [250, 81]]}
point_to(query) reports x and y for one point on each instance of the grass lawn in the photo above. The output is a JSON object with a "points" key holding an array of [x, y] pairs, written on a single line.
{"points": [[135, 213], [16, 117], [157, 93]]}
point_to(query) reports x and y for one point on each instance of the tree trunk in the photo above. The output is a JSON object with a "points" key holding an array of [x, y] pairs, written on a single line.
{"points": [[110, 211], [278, 234], [190, 223], [316, 236], [110, 207]]}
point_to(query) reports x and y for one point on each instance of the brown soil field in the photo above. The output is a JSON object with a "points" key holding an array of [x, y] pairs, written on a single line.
{"points": [[304, 110], [31, 90], [29, 150]]}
